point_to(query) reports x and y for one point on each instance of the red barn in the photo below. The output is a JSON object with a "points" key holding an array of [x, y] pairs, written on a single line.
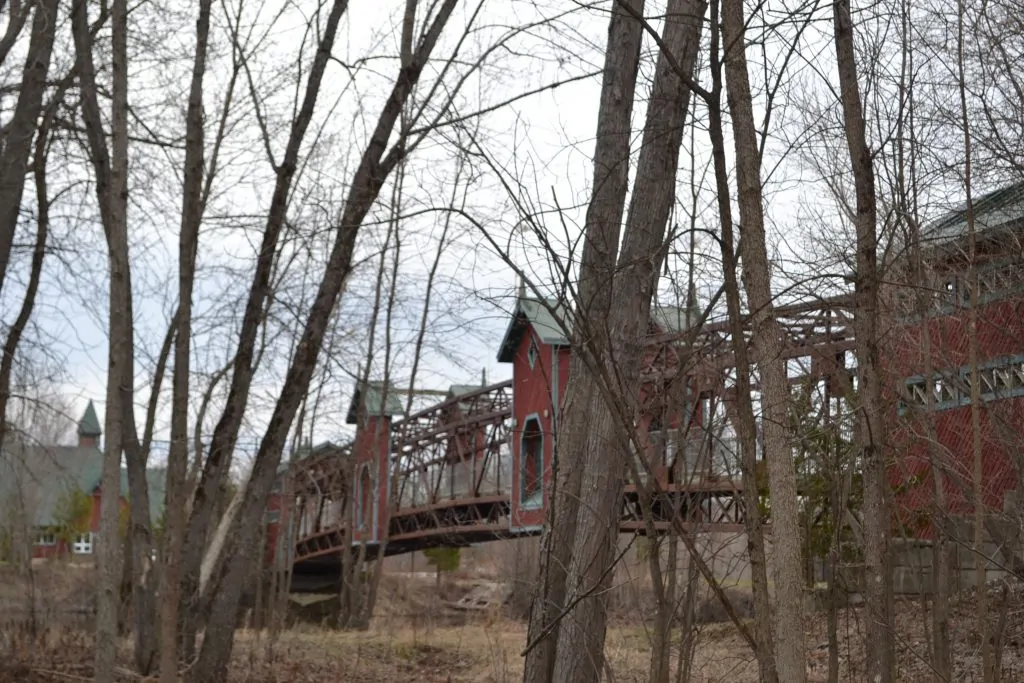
{"points": [[50, 495]]}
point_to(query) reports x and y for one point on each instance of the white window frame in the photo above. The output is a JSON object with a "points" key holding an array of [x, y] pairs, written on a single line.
{"points": [[46, 539], [83, 543], [532, 353]]}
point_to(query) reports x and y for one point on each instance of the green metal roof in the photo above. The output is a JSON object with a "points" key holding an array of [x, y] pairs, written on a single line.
{"points": [[371, 396], [34, 479], [460, 389], [553, 329], [673, 318], [89, 424], [556, 329], [1001, 209]]}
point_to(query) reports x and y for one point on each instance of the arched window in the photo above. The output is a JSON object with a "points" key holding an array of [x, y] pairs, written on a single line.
{"points": [[531, 464], [364, 498]]}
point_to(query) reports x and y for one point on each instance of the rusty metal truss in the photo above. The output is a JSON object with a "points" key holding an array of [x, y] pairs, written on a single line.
{"points": [[454, 450], [818, 330], [707, 506], [450, 465]]}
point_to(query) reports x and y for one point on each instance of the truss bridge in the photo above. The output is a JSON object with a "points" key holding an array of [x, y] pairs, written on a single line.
{"points": [[478, 465]]}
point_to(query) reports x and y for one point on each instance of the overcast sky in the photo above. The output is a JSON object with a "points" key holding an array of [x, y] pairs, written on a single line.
{"points": [[528, 159]]}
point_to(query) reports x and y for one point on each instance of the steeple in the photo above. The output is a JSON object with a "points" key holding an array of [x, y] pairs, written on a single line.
{"points": [[692, 306], [89, 431]]}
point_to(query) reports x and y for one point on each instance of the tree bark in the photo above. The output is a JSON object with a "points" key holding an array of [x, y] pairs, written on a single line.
{"points": [[767, 343], [746, 425], [870, 425], [580, 648], [177, 461], [111, 169], [593, 307], [17, 328], [21, 129]]}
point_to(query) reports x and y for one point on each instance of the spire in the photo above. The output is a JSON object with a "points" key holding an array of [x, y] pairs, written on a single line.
{"points": [[522, 287], [89, 430], [692, 307], [89, 425], [483, 377]]}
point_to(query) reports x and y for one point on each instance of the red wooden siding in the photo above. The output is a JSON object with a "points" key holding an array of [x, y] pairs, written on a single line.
{"points": [[1000, 336]]}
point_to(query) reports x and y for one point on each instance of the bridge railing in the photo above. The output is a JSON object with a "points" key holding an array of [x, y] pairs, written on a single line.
{"points": [[455, 450]]}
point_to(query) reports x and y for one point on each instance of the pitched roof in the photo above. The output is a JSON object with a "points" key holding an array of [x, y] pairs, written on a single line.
{"points": [[371, 396], [673, 318], [556, 329], [460, 389], [1002, 209], [89, 425], [34, 479], [552, 329]]}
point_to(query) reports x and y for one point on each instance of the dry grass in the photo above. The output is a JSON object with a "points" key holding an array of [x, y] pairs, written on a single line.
{"points": [[487, 651], [412, 641]]}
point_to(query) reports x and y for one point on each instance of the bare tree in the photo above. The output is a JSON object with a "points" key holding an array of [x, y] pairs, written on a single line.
{"points": [[618, 351], [766, 342], [111, 169], [18, 133], [177, 461], [604, 217], [871, 425]]}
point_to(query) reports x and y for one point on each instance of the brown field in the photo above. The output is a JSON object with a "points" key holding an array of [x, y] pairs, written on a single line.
{"points": [[414, 639]]}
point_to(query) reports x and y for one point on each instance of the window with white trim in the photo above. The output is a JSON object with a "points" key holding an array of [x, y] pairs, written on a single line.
{"points": [[83, 544], [364, 511], [531, 473], [532, 353], [46, 538]]}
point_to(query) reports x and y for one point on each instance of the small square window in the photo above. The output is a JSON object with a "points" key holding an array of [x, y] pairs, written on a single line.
{"points": [[83, 544], [532, 353]]}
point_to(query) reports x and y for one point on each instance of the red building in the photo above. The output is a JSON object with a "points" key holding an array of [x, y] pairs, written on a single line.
{"points": [[50, 495], [536, 343], [929, 368]]}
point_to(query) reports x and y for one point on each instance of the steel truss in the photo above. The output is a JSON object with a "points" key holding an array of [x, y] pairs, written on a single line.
{"points": [[451, 463]]}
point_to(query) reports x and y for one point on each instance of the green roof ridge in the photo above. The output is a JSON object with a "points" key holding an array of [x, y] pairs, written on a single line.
{"points": [[90, 423]]}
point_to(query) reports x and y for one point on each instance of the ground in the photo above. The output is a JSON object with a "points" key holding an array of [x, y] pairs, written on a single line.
{"points": [[413, 640]]}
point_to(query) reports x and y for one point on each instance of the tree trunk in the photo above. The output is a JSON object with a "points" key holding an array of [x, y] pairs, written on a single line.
{"points": [[17, 328], [177, 460], [21, 129], [767, 342], [111, 171], [665, 583], [580, 648], [870, 424], [746, 426], [143, 579], [597, 268]]}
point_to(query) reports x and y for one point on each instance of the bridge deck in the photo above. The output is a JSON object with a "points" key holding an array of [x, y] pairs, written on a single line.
{"points": [[460, 522]]}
